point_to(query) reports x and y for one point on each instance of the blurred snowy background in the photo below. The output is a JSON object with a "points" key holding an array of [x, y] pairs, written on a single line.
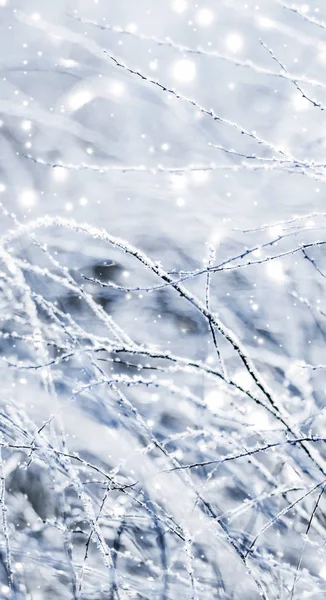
{"points": [[162, 280]]}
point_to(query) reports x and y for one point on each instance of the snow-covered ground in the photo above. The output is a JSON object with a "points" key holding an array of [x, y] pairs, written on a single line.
{"points": [[162, 278]]}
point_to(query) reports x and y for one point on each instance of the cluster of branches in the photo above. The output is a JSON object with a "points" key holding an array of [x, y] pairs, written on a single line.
{"points": [[171, 486]]}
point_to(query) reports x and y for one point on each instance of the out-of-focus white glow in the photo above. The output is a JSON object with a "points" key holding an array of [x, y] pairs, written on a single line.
{"points": [[276, 230], [181, 202], [199, 177], [132, 27], [257, 252], [117, 88], [310, 224], [179, 6], [204, 17], [26, 125], [2, 188], [69, 206], [243, 379], [178, 454], [215, 238], [27, 198], [119, 511], [259, 418], [265, 22], [234, 42], [184, 70], [275, 271], [290, 474], [83, 201], [179, 182], [210, 359], [213, 400], [59, 174], [299, 102], [3, 2], [79, 98], [68, 63]]}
